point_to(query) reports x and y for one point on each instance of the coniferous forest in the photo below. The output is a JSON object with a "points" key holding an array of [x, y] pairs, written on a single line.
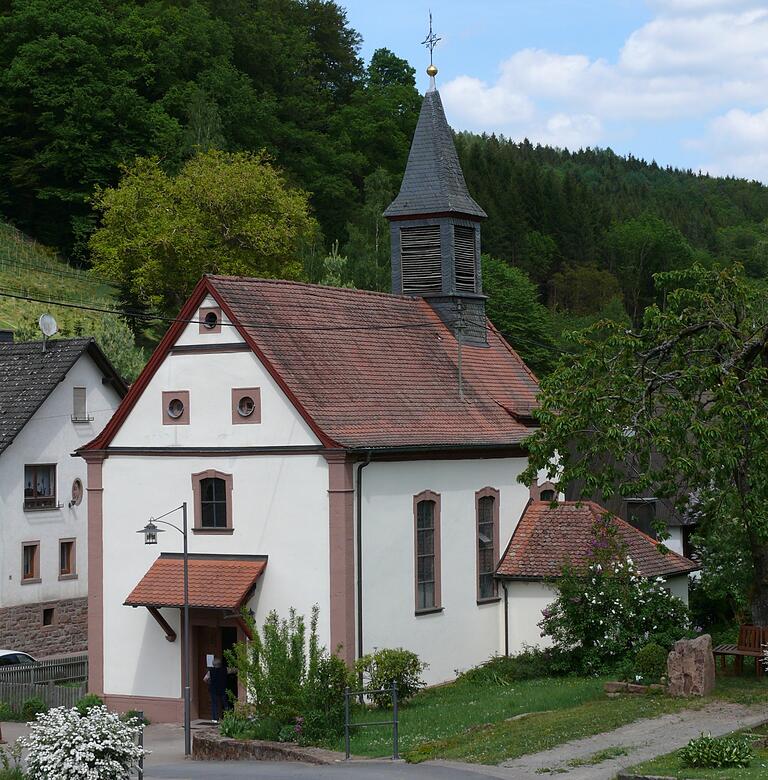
{"points": [[87, 86]]}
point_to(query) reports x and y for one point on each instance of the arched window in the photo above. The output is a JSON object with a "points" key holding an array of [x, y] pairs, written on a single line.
{"points": [[427, 551], [487, 505], [212, 492]]}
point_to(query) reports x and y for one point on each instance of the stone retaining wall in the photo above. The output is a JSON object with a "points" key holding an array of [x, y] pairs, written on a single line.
{"points": [[209, 745], [21, 628]]}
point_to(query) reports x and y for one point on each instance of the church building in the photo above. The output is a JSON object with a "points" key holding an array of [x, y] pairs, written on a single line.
{"points": [[351, 449]]}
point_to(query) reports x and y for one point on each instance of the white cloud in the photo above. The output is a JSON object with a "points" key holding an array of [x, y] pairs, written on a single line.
{"points": [[737, 144], [694, 59]]}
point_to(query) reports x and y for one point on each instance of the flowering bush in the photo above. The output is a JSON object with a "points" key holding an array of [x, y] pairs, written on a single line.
{"points": [[96, 746], [605, 608]]}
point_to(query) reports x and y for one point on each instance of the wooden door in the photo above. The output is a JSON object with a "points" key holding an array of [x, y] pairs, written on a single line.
{"points": [[207, 642]]}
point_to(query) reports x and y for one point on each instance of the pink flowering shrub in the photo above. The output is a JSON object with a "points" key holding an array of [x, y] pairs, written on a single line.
{"points": [[606, 609]]}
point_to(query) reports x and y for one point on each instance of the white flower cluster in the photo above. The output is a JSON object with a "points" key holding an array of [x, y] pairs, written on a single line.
{"points": [[65, 745]]}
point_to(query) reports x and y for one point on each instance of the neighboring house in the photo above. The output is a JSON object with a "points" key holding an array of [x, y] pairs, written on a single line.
{"points": [[547, 537], [53, 399], [334, 447]]}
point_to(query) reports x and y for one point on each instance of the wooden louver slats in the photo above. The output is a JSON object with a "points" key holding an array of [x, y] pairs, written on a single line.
{"points": [[464, 247], [420, 258]]}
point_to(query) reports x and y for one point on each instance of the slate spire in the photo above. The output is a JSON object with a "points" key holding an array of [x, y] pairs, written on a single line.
{"points": [[435, 226]]}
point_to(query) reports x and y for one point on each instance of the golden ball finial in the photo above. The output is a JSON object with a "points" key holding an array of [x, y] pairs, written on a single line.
{"points": [[432, 71]]}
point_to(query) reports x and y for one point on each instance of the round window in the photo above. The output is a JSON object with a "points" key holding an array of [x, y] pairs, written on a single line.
{"points": [[245, 406], [175, 408], [211, 320], [77, 492]]}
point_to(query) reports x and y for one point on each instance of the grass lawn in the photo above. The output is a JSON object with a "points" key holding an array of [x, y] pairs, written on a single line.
{"points": [[479, 722], [671, 766]]}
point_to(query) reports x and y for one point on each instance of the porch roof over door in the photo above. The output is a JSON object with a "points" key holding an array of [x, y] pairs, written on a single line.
{"points": [[215, 581]]}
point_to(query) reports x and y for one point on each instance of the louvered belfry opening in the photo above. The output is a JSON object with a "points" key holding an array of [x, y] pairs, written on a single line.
{"points": [[465, 258], [421, 259]]}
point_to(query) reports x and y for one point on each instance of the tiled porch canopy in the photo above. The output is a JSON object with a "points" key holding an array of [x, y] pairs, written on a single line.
{"points": [[215, 581]]}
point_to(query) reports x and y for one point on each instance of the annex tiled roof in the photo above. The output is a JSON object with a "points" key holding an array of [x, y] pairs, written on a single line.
{"points": [[548, 537], [28, 376], [433, 180], [377, 370], [215, 582]]}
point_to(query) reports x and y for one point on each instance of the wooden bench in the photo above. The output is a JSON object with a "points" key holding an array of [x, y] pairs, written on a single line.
{"points": [[751, 644]]}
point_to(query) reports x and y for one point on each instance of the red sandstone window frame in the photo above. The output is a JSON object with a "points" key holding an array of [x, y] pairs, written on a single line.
{"points": [[201, 315], [170, 395], [437, 606], [197, 501], [71, 572], [34, 576], [238, 393], [487, 492]]}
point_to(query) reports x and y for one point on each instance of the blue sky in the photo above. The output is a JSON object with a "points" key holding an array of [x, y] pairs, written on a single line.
{"points": [[684, 82]]}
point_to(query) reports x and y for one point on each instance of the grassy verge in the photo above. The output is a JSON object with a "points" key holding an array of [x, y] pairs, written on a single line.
{"points": [[670, 765], [487, 724]]}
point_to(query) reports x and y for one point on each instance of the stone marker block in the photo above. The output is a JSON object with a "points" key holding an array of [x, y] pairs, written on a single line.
{"points": [[691, 667]]}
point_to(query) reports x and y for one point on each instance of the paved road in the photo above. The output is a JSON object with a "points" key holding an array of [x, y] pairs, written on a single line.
{"points": [[366, 770]]}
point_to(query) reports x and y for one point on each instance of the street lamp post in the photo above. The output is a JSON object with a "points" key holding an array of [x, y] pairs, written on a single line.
{"points": [[150, 532]]}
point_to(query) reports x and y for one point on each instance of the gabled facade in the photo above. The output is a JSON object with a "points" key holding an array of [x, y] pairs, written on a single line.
{"points": [[52, 401]]}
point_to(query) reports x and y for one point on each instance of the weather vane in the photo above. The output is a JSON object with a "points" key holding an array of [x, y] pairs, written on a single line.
{"points": [[430, 42]]}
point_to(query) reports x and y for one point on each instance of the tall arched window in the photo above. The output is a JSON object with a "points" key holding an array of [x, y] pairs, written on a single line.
{"points": [[427, 550], [212, 491], [487, 501]]}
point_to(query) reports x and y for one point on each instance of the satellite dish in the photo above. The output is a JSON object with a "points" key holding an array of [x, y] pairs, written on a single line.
{"points": [[48, 325]]}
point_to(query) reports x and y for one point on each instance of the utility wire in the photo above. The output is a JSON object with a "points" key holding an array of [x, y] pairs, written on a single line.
{"points": [[245, 323]]}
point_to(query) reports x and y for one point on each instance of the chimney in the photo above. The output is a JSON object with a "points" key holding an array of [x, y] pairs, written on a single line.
{"points": [[6, 337]]}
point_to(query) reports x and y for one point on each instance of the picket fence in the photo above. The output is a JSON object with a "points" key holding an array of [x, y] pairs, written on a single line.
{"points": [[43, 680]]}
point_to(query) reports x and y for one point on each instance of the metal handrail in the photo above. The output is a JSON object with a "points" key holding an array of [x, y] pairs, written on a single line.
{"points": [[394, 722]]}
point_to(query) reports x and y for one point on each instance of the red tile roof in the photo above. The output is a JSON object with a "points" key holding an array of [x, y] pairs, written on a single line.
{"points": [[546, 538], [366, 383], [214, 582]]}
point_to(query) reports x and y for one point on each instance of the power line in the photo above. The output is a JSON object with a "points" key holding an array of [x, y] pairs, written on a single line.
{"points": [[245, 323]]}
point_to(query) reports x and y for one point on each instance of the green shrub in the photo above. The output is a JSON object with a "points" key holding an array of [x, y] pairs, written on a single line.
{"points": [[10, 763], [708, 752], [290, 679], [33, 706], [605, 607], [88, 701], [651, 662], [531, 664], [243, 722], [7, 712], [141, 718], [384, 667]]}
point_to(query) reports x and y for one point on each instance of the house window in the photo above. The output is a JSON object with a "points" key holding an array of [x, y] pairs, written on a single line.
{"points": [[246, 405], [209, 318], [67, 559], [642, 515], [40, 486], [30, 562], [547, 495], [212, 491], [176, 407], [49, 616], [79, 405], [427, 532], [487, 504]]}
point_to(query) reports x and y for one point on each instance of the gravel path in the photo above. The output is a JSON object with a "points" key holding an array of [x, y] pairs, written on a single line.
{"points": [[642, 740]]}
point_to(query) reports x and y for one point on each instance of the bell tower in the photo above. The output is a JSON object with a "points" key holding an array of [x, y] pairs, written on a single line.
{"points": [[435, 224]]}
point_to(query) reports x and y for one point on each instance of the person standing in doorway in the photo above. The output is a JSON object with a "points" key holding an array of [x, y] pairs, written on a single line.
{"points": [[216, 677]]}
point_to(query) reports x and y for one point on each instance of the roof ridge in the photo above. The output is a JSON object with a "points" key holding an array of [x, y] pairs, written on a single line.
{"points": [[318, 287]]}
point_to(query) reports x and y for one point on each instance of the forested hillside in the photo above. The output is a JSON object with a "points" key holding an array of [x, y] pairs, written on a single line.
{"points": [[87, 86]]}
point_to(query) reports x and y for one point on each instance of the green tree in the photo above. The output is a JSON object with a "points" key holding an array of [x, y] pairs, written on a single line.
{"points": [[639, 248], [513, 307], [583, 290], [678, 406], [228, 213], [112, 334]]}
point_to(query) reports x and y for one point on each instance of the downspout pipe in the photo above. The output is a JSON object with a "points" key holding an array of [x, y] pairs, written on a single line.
{"points": [[359, 550], [506, 617]]}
